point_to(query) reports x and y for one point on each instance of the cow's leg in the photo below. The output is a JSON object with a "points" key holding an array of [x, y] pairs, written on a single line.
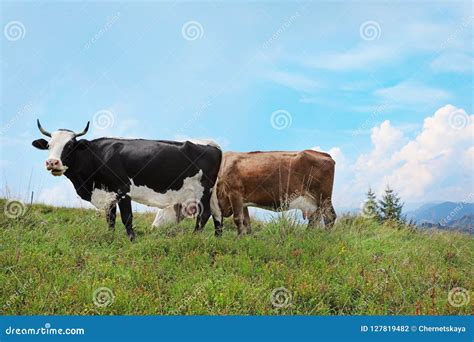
{"points": [[217, 216], [125, 205], [110, 215], [178, 212], [238, 210], [218, 222], [329, 216], [247, 220], [205, 213], [217, 226]]}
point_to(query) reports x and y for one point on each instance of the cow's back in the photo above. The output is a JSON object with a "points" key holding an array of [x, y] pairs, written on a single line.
{"points": [[162, 164]]}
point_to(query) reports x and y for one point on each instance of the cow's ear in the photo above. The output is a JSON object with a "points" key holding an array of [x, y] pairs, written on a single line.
{"points": [[82, 144], [40, 144]]}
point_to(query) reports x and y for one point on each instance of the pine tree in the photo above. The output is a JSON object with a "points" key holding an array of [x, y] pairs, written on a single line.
{"points": [[391, 206], [370, 209]]}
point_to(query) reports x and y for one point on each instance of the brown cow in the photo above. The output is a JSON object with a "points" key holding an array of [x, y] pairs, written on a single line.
{"points": [[276, 181]]}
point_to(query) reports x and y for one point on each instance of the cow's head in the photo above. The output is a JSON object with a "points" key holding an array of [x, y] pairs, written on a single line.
{"points": [[61, 147]]}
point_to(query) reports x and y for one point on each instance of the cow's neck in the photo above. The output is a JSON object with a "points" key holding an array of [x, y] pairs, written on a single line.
{"points": [[82, 174], [83, 186]]}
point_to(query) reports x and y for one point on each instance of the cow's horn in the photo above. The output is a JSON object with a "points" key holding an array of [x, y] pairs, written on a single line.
{"points": [[84, 131], [42, 129]]}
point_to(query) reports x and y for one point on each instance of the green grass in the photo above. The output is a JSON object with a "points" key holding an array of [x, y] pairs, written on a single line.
{"points": [[53, 259]]}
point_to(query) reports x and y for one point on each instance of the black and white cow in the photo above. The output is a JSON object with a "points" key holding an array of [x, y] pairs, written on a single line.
{"points": [[157, 173]]}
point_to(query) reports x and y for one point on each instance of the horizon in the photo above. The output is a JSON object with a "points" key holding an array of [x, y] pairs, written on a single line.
{"points": [[385, 88]]}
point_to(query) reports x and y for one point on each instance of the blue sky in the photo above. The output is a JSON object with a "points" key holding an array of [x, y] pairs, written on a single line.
{"points": [[370, 82]]}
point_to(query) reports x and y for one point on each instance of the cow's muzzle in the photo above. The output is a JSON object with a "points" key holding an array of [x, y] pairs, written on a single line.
{"points": [[55, 166]]}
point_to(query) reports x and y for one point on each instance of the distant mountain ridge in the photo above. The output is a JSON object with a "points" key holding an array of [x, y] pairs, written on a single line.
{"points": [[445, 215]]}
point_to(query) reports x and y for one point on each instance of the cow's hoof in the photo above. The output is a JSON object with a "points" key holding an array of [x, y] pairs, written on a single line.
{"points": [[131, 236]]}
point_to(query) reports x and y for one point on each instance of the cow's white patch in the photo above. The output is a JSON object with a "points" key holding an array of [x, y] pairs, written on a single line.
{"points": [[59, 139], [303, 203], [102, 199], [165, 216], [192, 189], [215, 209]]}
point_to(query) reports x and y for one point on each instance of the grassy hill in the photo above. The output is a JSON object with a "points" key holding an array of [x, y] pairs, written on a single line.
{"points": [[56, 260]]}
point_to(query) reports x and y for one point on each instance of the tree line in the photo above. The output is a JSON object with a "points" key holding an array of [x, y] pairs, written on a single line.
{"points": [[389, 208]]}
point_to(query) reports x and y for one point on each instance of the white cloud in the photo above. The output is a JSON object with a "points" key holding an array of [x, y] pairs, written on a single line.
{"points": [[362, 57], [453, 62], [468, 159], [293, 80], [437, 162], [428, 36], [435, 154], [336, 154], [310, 100], [385, 138], [370, 168], [413, 93]]}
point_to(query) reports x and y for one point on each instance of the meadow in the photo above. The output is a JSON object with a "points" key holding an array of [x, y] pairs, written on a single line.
{"points": [[64, 261]]}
